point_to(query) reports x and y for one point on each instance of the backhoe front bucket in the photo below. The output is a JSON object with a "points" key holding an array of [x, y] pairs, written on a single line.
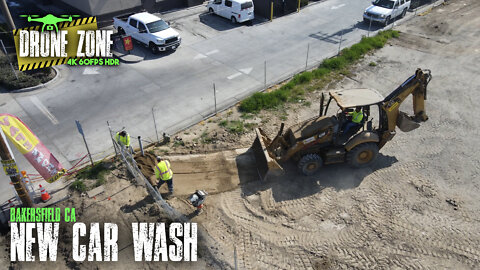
{"points": [[405, 122], [265, 163]]}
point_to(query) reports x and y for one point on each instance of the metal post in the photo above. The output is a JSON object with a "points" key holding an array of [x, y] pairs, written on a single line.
{"points": [[265, 74], [8, 58], [141, 146], [113, 141], [6, 14], [155, 124], [18, 184], [215, 97], [394, 19], [298, 9], [369, 26], [88, 150], [271, 10], [80, 130], [235, 256], [340, 43], [306, 61]]}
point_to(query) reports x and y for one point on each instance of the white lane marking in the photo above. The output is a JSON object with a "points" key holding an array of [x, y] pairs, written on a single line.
{"points": [[90, 71], [233, 76], [212, 52], [339, 6], [44, 109], [199, 56], [246, 70]]}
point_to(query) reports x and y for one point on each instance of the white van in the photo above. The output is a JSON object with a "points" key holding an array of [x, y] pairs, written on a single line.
{"points": [[234, 10]]}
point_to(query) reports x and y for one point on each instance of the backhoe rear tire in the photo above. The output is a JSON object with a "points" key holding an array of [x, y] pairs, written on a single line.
{"points": [[362, 155], [309, 164]]}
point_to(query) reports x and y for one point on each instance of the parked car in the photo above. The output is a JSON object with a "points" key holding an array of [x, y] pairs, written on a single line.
{"points": [[149, 30], [234, 10], [384, 11]]}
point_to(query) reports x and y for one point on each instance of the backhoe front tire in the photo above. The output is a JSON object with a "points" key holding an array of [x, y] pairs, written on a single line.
{"points": [[362, 155], [309, 164]]}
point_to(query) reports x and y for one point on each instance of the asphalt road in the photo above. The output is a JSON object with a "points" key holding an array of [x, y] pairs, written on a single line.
{"points": [[179, 86]]}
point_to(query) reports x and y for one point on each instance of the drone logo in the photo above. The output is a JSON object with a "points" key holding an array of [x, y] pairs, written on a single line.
{"points": [[50, 21]]}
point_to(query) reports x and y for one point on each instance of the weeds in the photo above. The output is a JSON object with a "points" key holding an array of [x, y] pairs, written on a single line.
{"points": [[79, 186], [98, 171], [204, 138], [372, 64], [178, 143], [223, 123]]}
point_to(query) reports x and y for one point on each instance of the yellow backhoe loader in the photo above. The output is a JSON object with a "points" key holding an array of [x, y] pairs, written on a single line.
{"points": [[322, 140]]}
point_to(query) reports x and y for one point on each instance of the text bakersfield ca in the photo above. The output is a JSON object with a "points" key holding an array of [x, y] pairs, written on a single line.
{"points": [[151, 241]]}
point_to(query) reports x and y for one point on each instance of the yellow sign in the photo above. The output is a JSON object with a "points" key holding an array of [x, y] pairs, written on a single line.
{"points": [[10, 167], [72, 39]]}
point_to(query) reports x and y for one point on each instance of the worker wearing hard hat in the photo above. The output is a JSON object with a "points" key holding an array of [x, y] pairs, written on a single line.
{"points": [[357, 117], [123, 139], [164, 173]]}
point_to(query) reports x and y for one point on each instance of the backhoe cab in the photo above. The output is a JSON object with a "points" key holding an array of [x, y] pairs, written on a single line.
{"points": [[322, 140]]}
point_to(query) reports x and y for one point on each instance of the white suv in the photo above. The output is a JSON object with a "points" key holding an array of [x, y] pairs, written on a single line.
{"points": [[384, 11]]}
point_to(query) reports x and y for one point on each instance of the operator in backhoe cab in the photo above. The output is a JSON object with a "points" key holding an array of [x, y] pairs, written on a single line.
{"points": [[357, 117]]}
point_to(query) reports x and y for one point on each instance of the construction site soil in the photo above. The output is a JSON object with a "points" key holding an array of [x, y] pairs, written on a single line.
{"points": [[416, 208]]}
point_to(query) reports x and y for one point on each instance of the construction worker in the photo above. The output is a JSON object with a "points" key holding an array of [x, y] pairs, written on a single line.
{"points": [[164, 173], [123, 139], [357, 117]]}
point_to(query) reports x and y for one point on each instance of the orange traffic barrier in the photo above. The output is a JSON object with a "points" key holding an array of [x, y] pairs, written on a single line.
{"points": [[45, 195]]}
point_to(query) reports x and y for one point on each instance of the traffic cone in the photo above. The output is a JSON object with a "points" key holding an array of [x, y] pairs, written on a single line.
{"points": [[10, 204], [45, 195]]}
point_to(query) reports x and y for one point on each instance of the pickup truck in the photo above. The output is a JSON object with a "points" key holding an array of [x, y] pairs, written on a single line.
{"points": [[149, 30], [384, 11]]}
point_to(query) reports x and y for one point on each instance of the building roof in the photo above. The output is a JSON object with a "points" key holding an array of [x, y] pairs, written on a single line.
{"points": [[347, 98]]}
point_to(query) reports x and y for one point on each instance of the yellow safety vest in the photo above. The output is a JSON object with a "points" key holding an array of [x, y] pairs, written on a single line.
{"points": [[123, 140], [163, 171], [356, 117]]}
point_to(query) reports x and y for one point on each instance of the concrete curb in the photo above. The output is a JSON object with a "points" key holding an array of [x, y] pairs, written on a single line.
{"points": [[128, 59], [42, 85]]}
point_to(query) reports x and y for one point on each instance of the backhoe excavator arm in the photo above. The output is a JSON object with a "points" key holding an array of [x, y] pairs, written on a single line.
{"points": [[392, 117]]}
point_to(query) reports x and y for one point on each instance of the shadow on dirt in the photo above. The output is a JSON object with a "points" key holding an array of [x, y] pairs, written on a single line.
{"points": [[127, 208], [292, 185]]}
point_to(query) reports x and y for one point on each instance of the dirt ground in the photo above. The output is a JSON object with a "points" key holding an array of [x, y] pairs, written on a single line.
{"points": [[415, 208]]}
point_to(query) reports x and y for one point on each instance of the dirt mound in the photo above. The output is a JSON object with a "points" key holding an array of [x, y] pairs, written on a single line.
{"points": [[146, 164], [214, 172]]}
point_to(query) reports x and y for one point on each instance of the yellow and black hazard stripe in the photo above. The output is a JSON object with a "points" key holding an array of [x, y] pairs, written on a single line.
{"points": [[77, 22], [44, 64], [62, 25]]}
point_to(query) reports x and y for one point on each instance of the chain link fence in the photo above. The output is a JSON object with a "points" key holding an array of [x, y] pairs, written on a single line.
{"points": [[128, 160]]}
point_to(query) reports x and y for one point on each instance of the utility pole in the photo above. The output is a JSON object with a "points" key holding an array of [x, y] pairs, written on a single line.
{"points": [[5, 155], [6, 13]]}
